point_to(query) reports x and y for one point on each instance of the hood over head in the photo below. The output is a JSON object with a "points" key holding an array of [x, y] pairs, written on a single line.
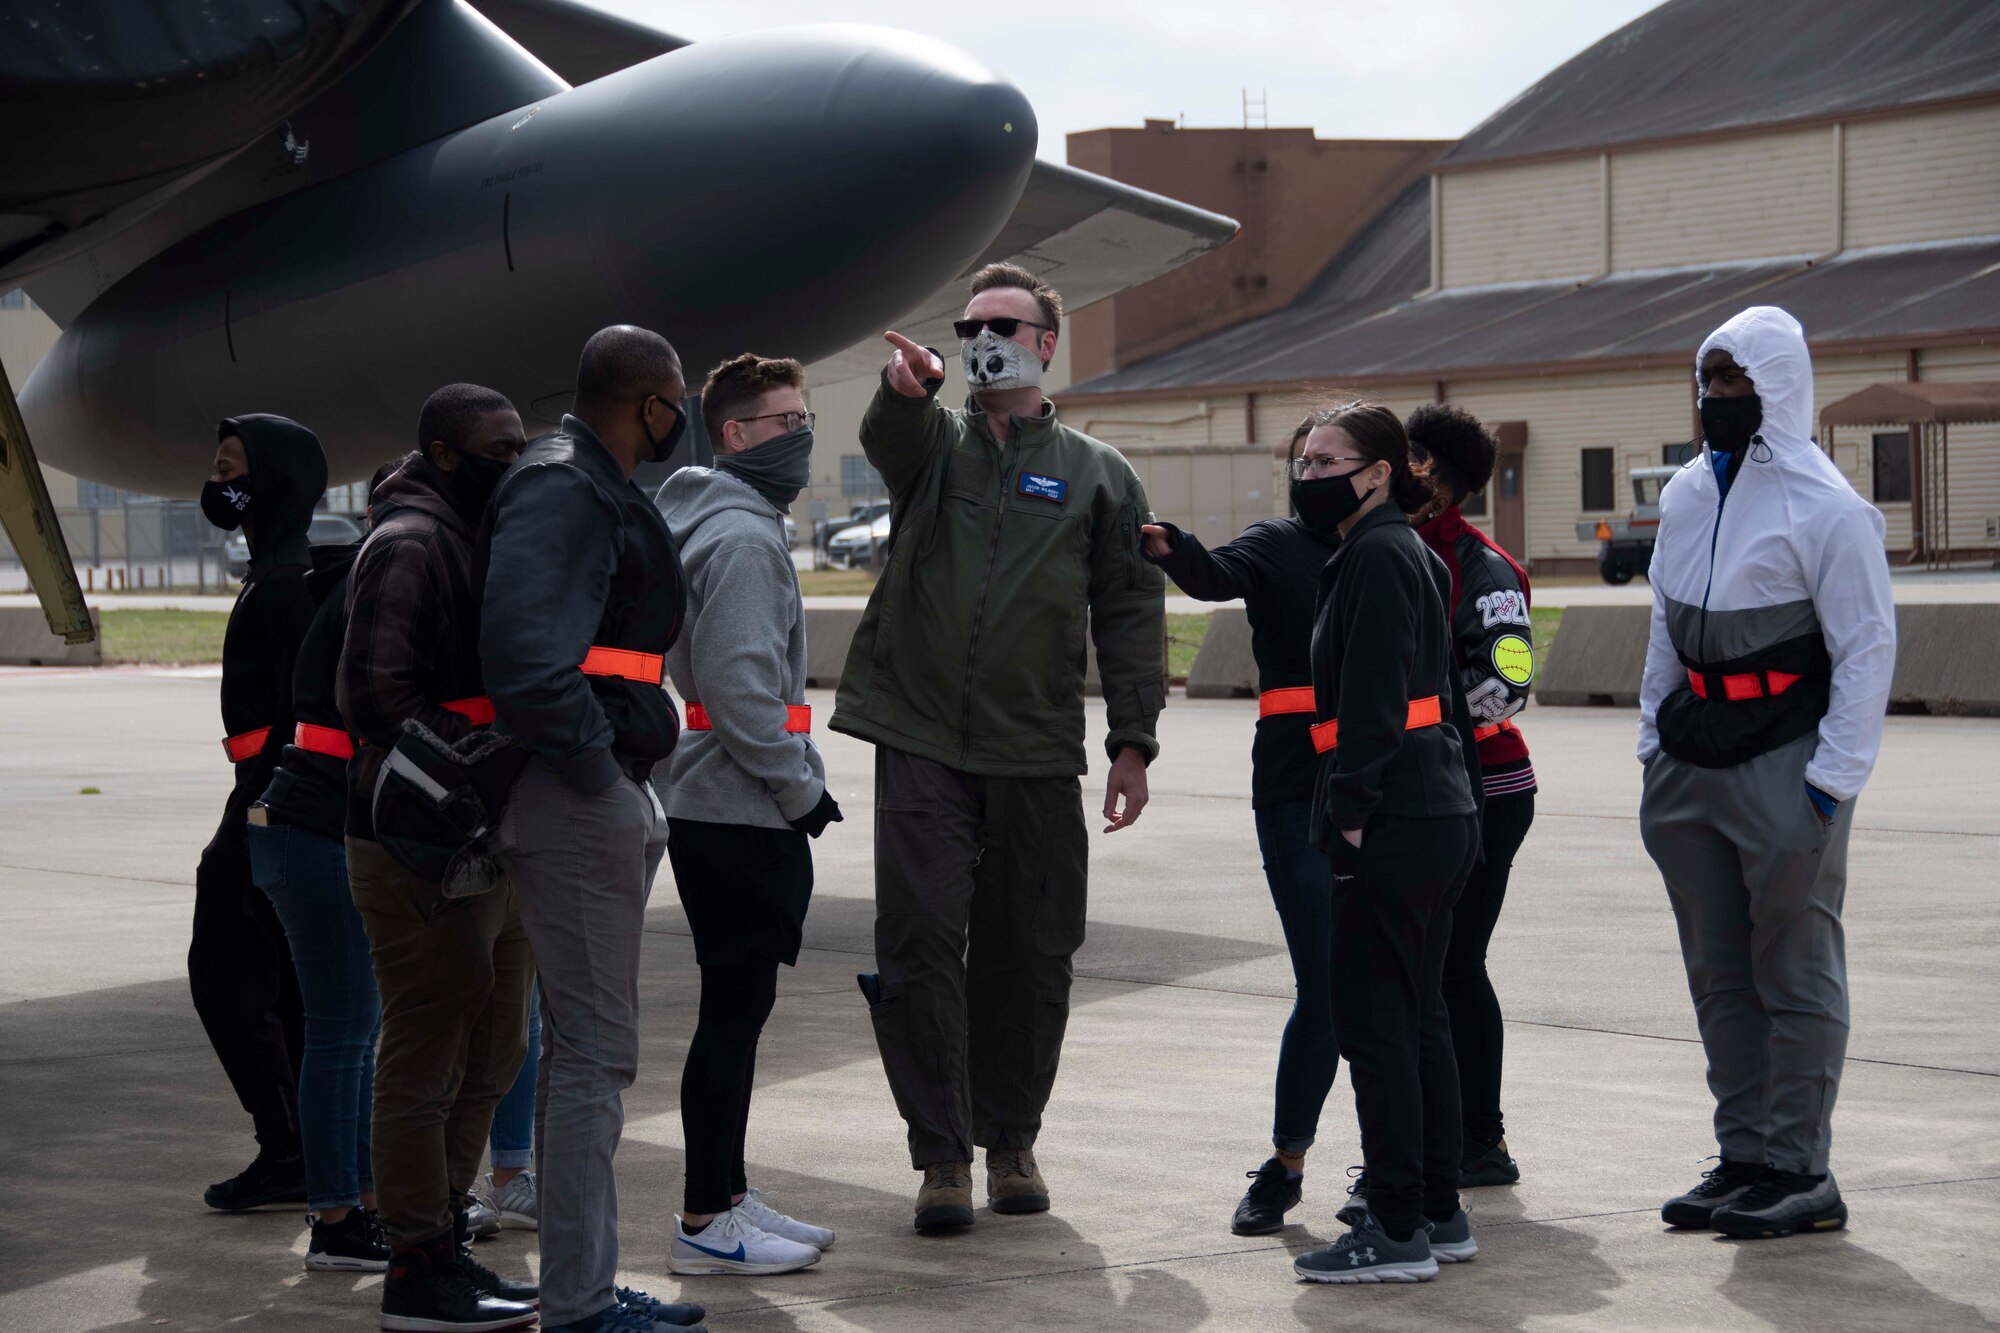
{"points": [[1769, 344], [288, 477], [417, 484]]}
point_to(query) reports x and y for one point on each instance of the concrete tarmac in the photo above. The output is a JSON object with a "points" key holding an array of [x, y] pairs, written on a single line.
{"points": [[114, 1114]]}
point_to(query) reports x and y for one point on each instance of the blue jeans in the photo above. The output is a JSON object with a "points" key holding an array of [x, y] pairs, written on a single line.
{"points": [[1302, 887], [305, 877], [513, 1136]]}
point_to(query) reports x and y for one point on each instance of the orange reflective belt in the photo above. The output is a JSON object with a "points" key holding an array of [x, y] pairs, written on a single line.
{"points": [[479, 711], [315, 739], [626, 664], [1752, 685], [1423, 713], [247, 745], [1488, 733], [1297, 699], [798, 717]]}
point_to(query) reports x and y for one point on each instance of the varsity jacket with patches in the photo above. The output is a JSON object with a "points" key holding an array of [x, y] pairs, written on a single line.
{"points": [[1492, 643], [1785, 573]]}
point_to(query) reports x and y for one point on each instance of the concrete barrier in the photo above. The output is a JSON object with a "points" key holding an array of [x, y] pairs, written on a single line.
{"points": [[1598, 657], [830, 632], [1947, 659], [25, 641], [1223, 667]]}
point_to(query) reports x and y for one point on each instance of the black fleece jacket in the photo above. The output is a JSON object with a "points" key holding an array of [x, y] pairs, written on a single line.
{"points": [[309, 790], [1384, 639], [1274, 567], [260, 648]]}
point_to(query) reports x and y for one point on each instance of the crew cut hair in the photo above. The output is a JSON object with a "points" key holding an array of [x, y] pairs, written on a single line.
{"points": [[1013, 275], [623, 364], [452, 413], [739, 382]]}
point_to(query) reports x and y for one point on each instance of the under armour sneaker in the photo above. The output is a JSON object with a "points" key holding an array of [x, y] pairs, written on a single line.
{"points": [[733, 1244], [517, 1203], [674, 1314], [1724, 1184], [427, 1291], [1368, 1254], [271, 1178], [1274, 1191], [1014, 1183], [757, 1207], [350, 1245], [1356, 1207], [1487, 1164], [1781, 1204], [945, 1200], [1452, 1241]]}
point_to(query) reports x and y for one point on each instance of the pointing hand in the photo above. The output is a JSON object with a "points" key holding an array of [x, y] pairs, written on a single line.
{"points": [[910, 366]]}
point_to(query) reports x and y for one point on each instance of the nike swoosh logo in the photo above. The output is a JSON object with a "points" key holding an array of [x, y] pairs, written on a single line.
{"points": [[736, 1257]]}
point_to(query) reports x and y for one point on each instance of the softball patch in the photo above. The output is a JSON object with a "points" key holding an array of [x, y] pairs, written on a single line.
{"points": [[1514, 659]]}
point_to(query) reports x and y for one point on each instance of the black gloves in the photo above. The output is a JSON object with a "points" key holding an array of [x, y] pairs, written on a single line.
{"points": [[814, 821]]}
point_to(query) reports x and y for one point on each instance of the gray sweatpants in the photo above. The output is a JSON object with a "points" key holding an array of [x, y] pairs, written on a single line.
{"points": [[1757, 884], [583, 866]]}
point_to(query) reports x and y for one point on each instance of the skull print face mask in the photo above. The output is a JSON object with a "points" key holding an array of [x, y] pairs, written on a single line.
{"points": [[993, 363]]}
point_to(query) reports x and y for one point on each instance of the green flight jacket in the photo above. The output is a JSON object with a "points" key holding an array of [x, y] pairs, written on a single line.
{"points": [[971, 651]]}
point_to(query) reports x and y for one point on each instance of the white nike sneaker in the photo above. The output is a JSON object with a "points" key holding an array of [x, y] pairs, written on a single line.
{"points": [[757, 1208], [732, 1244]]}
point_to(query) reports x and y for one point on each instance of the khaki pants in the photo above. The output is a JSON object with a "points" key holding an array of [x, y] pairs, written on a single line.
{"points": [[979, 908], [454, 979]]}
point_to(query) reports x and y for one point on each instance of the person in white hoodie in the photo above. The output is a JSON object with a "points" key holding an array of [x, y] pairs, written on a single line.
{"points": [[745, 790], [1767, 677]]}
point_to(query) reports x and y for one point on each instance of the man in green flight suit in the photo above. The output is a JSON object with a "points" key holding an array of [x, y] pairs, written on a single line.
{"points": [[1014, 536]]}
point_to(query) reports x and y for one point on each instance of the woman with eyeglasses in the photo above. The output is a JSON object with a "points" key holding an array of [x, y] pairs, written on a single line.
{"points": [[1396, 811], [1274, 568]]}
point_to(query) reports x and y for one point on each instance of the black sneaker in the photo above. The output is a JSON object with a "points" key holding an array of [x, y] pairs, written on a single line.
{"points": [[500, 1288], [1356, 1208], [1725, 1184], [427, 1291], [1274, 1191], [1783, 1203], [1486, 1164], [269, 1179], [679, 1314], [351, 1245]]}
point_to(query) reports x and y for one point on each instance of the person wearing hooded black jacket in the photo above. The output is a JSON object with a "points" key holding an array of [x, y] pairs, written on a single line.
{"points": [[1397, 810], [269, 473], [1274, 567]]}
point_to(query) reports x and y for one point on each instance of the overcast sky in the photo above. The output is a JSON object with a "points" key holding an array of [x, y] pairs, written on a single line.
{"points": [[1347, 68]]}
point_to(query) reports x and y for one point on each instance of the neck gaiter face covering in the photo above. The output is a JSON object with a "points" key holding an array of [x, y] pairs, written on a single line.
{"points": [[778, 469], [224, 503], [1322, 503], [993, 363], [473, 482]]}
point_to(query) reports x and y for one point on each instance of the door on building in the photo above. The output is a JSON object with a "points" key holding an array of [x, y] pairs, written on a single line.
{"points": [[1510, 522]]}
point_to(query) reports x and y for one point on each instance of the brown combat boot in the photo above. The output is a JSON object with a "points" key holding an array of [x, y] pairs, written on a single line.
{"points": [[945, 1201], [1014, 1183]]}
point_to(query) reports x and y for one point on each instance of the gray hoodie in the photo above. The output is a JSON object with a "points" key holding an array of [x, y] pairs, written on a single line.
{"points": [[742, 656]]}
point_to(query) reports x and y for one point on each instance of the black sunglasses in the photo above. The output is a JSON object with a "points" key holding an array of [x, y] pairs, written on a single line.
{"points": [[968, 329]]}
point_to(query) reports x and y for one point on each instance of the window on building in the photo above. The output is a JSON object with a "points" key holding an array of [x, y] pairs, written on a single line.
{"points": [[1677, 455], [96, 495], [1892, 468], [1600, 468], [858, 480]]}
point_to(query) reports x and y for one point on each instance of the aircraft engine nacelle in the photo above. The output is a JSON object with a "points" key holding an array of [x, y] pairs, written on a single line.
{"points": [[784, 192]]}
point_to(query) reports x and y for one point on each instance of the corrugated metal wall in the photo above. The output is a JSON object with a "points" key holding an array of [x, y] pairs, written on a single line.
{"points": [[1512, 224], [1726, 199], [1924, 177]]}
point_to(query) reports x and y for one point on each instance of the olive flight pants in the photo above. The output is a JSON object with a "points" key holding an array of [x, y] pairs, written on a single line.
{"points": [[979, 908]]}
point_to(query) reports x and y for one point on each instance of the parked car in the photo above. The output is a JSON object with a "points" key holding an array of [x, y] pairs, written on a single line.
{"points": [[859, 546], [791, 531], [326, 530], [1625, 545], [827, 529]]}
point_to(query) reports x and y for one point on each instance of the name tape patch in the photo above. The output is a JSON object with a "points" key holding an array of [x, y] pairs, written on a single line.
{"points": [[1053, 489]]}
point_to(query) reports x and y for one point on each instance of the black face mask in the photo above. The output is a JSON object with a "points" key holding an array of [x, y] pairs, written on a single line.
{"points": [[663, 449], [1323, 503], [1729, 423], [473, 482], [224, 503]]}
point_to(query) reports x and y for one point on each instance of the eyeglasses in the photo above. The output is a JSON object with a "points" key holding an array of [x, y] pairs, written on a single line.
{"points": [[1304, 467], [968, 329], [793, 420]]}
